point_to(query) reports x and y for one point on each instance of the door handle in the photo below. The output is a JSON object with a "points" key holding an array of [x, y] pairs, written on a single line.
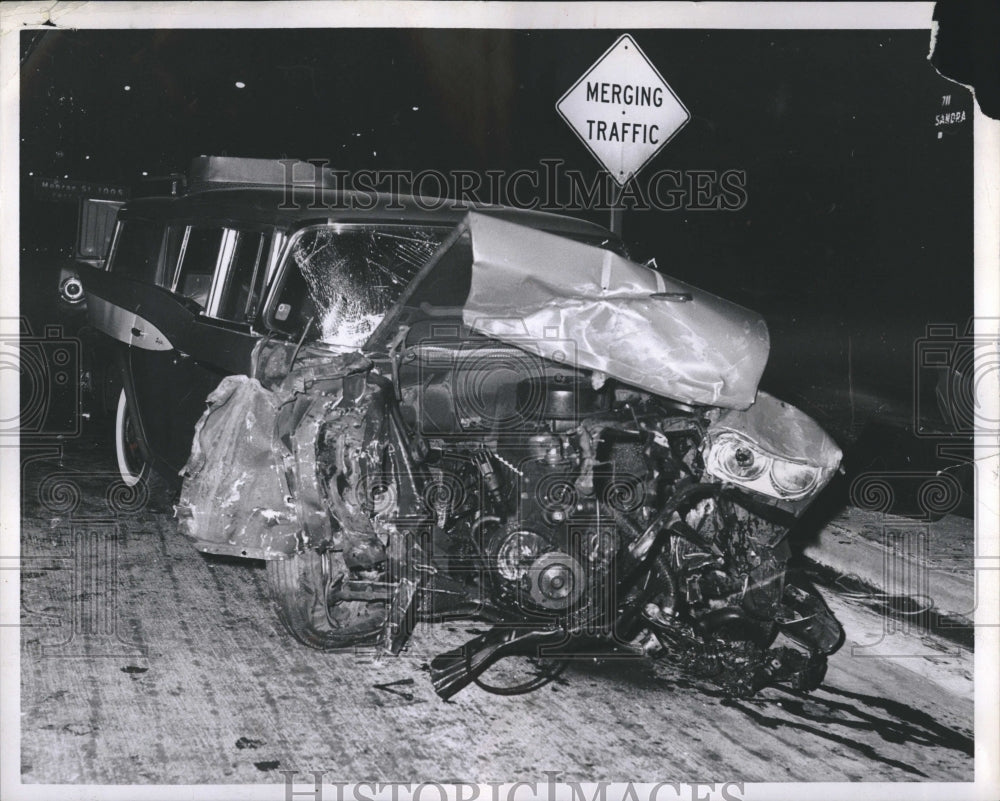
{"points": [[138, 332]]}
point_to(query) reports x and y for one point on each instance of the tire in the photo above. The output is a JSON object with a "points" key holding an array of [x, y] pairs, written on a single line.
{"points": [[132, 467], [300, 586], [135, 472]]}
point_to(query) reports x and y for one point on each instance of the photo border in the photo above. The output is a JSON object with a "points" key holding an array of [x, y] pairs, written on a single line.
{"points": [[633, 16]]}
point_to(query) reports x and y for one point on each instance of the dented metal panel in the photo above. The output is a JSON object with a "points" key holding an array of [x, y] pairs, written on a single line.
{"points": [[252, 484], [782, 431], [592, 308], [236, 499]]}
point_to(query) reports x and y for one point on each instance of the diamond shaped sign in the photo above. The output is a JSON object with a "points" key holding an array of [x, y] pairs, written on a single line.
{"points": [[623, 110]]}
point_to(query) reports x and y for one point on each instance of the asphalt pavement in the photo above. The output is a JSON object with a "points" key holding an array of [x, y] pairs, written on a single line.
{"points": [[145, 662]]}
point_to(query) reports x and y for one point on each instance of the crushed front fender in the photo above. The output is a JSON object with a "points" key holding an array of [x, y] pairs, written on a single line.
{"points": [[252, 486], [236, 498]]}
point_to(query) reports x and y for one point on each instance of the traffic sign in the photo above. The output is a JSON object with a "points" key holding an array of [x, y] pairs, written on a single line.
{"points": [[623, 110]]}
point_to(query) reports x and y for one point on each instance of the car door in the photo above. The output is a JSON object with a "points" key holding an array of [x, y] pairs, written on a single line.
{"points": [[182, 297], [120, 302], [216, 286]]}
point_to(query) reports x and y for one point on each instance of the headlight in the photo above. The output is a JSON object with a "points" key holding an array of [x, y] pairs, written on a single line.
{"points": [[793, 480], [738, 460], [71, 289]]}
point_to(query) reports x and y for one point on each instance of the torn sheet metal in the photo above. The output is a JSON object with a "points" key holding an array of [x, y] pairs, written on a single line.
{"points": [[591, 308], [235, 498], [252, 482]]}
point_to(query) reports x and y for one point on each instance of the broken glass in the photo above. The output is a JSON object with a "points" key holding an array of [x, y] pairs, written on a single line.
{"points": [[355, 274]]}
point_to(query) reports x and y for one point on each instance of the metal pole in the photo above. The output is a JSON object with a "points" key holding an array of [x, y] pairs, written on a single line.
{"points": [[617, 212]]}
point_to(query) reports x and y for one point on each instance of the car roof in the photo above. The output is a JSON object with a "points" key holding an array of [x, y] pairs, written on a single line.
{"points": [[289, 193], [290, 208]]}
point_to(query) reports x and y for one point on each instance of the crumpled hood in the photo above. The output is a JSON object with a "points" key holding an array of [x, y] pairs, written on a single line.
{"points": [[590, 308]]}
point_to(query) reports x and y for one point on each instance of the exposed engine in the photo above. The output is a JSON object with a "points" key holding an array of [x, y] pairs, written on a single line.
{"points": [[583, 478]]}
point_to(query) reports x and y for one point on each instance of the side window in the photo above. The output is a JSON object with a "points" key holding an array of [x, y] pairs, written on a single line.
{"points": [[245, 276], [199, 258], [137, 249], [173, 246]]}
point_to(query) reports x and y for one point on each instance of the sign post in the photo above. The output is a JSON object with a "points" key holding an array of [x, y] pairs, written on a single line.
{"points": [[624, 112]]}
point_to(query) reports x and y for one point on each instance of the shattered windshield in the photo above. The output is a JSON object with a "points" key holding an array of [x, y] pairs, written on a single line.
{"points": [[348, 277]]}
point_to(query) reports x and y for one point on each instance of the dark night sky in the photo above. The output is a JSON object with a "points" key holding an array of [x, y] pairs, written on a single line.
{"points": [[856, 208]]}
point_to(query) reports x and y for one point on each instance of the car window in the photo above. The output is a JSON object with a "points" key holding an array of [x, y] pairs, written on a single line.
{"points": [[346, 277], [245, 276], [173, 246], [199, 257], [137, 248]]}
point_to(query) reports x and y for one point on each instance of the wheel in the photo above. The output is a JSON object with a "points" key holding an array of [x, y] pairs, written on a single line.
{"points": [[146, 487], [131, 465], [304, 587]]}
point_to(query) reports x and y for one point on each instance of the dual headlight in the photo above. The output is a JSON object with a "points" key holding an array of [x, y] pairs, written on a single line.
{"points": [[738, 460]]}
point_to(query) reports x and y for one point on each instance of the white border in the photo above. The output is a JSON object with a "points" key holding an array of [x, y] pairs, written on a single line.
{"points": [[469, 14], [366, 13]]}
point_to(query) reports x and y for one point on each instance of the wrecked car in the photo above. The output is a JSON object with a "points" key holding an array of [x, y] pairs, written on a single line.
{"points": [[495, 414]]}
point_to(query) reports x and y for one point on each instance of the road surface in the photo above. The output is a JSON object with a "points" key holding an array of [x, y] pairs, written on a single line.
{"points": [[146, 662]]}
